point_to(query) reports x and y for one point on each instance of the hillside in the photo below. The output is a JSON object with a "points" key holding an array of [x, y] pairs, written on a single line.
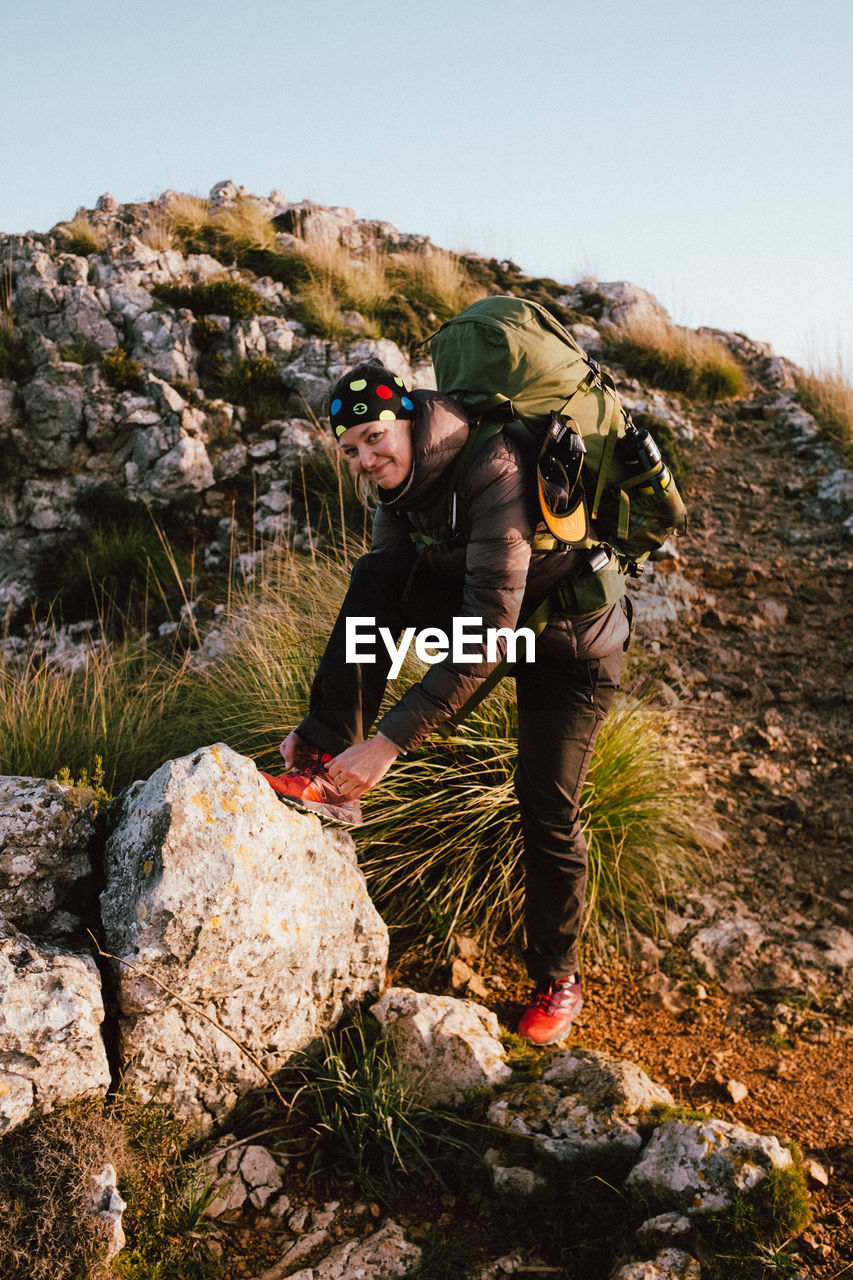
{"points": [[172, 358]]}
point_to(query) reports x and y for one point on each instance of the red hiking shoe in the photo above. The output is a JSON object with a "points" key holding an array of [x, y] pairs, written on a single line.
{"points": [[555, 1006], [312, 788]]}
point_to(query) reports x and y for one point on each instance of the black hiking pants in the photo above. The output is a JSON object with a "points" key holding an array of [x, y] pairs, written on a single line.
{"points": [[562, 705]]}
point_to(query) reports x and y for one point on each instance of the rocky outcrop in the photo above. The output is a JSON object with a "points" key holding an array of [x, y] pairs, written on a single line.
{"points": [[256, 918], [248, 912], [584, 1102]]}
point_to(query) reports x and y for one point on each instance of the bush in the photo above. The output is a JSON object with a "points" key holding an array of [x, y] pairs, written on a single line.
{"points": [[677, 359], [47, 1228], [256, 384], [218, 297], [120, 371]]}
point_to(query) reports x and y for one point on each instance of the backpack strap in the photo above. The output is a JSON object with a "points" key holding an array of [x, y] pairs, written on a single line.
{"points": [[478, 437]]}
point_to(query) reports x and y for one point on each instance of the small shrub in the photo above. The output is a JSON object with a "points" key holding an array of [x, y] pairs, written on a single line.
{"points": [[828, 397], [256, 384], [95, 783], [84, 351], [220, 297], [47, 1228], [120, 371], [677, 359], [81, 235]]}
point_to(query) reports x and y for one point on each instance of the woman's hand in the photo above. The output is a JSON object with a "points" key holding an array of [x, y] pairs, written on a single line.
{"points": [[361, 766], [297, 752]]}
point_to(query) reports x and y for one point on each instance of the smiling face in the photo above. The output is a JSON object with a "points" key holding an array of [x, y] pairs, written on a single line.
{"points": [[381, 451]]}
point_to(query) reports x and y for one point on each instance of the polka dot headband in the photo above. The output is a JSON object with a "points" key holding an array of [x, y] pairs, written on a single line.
{"points": [[378, 398]]}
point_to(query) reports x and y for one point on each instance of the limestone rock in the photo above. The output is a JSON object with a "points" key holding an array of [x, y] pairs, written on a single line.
{"points": [[46, 832], [670, 1264], [450, 1047], [108, 1207], [699, 1167], [584, 1101], [51, 1012], [254, 913], [383, 1255], [243, 1173]]}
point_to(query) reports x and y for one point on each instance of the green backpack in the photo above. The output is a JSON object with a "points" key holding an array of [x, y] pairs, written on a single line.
{"points": [[507, 358]]}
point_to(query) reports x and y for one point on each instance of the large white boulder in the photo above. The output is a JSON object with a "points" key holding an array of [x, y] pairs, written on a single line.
{"points": [[254, 914]]}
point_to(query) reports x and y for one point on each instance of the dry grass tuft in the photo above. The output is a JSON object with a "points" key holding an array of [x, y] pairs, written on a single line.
{"points": [[187, 215], [677, 359], [47, 1228], [438, 279], [81, 235], [242, 227], [828, 396]]}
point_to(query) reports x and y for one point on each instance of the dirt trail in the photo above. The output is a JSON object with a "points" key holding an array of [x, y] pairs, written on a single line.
{"points": [[764, 676]]}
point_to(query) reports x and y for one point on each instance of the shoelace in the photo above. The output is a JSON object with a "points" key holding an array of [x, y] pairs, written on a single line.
{"points": [[549, 1000]]}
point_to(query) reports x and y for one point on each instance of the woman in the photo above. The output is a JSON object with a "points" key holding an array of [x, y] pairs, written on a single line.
{"points": [[419, 573]]}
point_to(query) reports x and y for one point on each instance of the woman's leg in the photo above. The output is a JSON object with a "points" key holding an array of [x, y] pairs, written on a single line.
{"points": [[561, 708]]}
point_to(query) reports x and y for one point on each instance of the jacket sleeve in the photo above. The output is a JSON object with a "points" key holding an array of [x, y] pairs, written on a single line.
{"points": [[497, 557], [390, 533]]}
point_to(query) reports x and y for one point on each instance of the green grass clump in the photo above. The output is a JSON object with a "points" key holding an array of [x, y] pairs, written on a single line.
{"points": [[84, 351], [120, 569], [754, 1230], [668, 356], [167, 1192], [361, 1116], [120, 707], [217, 297], [459, 861], [120, 371], [47, 1229], [828, 397]]}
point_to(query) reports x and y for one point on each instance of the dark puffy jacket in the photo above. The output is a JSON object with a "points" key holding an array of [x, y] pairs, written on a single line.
{"points": [[501, 577]]}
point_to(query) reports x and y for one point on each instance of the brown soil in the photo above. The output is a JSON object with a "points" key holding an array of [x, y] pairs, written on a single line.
{"points": [[763, 712]]}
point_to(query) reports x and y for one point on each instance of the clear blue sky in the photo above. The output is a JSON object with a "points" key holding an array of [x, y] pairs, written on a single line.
{"points": [[701, 150]]}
